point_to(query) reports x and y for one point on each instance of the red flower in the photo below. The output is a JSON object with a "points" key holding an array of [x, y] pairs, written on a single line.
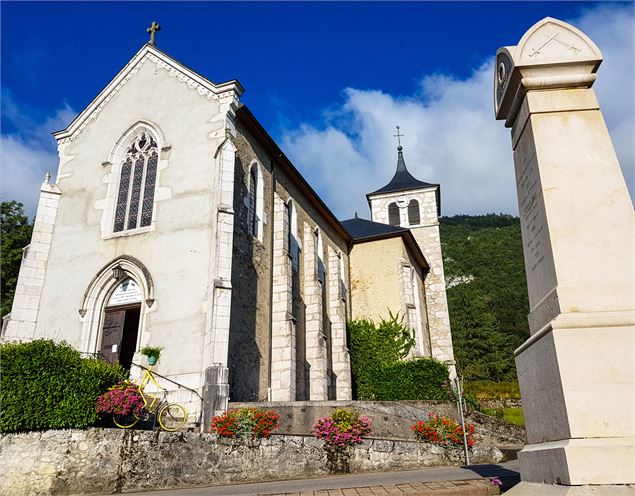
{"points": [[443, 431]]}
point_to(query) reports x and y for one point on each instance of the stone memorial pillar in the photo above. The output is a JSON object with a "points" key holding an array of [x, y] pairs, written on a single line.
{"points": [[577, 369]]}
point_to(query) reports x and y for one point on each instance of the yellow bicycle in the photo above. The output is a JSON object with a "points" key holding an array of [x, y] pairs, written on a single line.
{"points": [[171, 416]]}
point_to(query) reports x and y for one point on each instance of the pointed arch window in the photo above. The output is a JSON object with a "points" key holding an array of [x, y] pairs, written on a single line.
{"points": [[414, 217], [135, 198], [319, 248], [393, 215], [253, 191], [292, 234], [254, 201]]}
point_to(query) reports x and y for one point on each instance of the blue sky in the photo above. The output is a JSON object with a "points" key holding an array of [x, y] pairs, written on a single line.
{"points": [[328, 80]]}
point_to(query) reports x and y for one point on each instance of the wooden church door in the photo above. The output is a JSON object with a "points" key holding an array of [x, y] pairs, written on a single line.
{"points": [[112, 332], [121, 324]]}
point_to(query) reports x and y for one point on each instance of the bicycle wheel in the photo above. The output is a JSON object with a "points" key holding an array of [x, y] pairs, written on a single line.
{"points": [[125, 421], [172, 417]]}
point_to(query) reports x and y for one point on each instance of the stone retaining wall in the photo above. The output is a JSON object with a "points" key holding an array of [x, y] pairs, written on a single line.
{"points": [[111, 460], [391, 419]]}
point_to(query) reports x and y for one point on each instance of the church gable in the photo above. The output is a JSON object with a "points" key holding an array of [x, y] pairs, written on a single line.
{"points": [[228, 92]]}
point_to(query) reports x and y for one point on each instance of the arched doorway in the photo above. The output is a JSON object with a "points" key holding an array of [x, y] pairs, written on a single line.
{"points": [[120, 327], [121, 293]]}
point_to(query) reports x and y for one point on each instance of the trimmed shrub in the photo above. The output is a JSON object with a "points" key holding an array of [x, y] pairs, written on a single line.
{"points": [[48, 385], [379, 370], [418, 379]]}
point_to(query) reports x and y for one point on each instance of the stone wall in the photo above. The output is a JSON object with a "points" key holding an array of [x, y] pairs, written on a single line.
{"points": [[391, 419], [249, 353], [109, 460], [287, 336]]}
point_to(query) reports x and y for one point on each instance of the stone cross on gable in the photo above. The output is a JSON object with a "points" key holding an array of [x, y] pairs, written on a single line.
{"points": [[154, 27]]}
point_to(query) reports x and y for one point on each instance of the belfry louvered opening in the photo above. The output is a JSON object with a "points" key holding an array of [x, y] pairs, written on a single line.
{"points": [[393, 215]]}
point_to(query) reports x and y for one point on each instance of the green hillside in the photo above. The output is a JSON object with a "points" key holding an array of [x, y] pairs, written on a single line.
{"points": [[487, 293]]}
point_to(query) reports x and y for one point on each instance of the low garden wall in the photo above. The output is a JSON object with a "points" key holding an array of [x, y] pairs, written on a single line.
{"points": [[103, 461], [391, 419]]}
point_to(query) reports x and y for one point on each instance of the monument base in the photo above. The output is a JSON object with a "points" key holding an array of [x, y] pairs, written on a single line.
{"points": [[577, 377], [535, 489], [580, 461]]}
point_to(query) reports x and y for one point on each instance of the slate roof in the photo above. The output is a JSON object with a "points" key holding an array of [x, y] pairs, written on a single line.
{"points": [[402, 180], [362, 228], [363, 231]]}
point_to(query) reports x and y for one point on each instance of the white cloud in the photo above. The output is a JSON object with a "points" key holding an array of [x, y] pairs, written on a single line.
{"points": [[29, 153], [451, 135]]}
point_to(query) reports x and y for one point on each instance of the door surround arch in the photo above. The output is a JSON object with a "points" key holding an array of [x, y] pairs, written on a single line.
{"points": [[98, 292]]}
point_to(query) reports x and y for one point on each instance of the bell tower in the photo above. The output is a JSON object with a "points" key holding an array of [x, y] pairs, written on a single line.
{"points": [[409, 203]]}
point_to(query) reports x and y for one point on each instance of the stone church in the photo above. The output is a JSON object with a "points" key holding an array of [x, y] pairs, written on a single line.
{"points": [[175, 220]]}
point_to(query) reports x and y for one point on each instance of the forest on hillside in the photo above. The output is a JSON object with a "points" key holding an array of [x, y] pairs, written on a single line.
{"points": [[487, 293]]}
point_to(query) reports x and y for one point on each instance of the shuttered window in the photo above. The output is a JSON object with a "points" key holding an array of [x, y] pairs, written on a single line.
{"points": [[393, 215], [414, 217]]}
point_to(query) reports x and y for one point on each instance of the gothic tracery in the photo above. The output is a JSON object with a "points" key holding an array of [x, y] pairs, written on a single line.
{"points": [[135, 198]]}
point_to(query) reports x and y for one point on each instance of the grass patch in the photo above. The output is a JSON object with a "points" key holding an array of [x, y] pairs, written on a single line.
{"points": [[511, 415], [491, 390], [514, 416]]}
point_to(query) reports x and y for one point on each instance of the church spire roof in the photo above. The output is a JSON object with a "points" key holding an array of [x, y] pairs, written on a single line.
{"points": [[402, 180]]}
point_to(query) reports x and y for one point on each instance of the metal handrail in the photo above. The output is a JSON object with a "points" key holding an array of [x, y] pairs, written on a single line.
{"points": [[199, 421], [170, 380]]}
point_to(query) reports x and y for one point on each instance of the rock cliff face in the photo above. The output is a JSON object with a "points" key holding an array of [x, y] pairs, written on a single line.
{"points": [[109, 460]]}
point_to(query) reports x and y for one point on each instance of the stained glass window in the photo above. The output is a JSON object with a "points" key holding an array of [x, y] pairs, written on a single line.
{"points": [[122, 199], [135, 194], [138, 196], [148, 192]]}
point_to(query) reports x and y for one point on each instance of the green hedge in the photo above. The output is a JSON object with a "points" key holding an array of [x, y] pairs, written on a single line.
{"points": [[47, 385], [378, 368], [417, 379]]}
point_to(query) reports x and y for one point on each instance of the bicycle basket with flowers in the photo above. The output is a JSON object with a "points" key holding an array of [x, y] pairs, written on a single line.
{"points": [[121, 399]]}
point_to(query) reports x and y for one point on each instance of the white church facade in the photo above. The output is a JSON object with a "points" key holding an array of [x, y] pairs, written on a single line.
{"points": [[176, 221]]}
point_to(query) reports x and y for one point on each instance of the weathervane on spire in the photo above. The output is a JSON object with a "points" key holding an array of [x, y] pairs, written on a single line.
{"points": [[154, 27], [398, 136]]}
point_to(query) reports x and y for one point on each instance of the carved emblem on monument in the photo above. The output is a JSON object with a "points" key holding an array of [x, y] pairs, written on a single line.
{"points": [[528, 65], [555, 40]]}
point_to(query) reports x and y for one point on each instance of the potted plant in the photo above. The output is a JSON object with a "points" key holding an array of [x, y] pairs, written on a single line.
{"points": [[152, 352]]}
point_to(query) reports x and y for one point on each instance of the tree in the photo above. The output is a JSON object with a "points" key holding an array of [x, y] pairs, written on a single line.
{"points": [[15, 235], [487, 300]]}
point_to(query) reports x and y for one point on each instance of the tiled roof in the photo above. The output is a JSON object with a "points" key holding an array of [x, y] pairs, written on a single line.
{"points": [[362, 228]]}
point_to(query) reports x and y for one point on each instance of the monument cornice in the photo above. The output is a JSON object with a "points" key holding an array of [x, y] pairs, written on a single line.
{"points": [[551, 55], [580, 320]]}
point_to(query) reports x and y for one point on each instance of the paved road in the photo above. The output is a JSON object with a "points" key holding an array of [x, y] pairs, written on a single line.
{"points": [[508, 471]]}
